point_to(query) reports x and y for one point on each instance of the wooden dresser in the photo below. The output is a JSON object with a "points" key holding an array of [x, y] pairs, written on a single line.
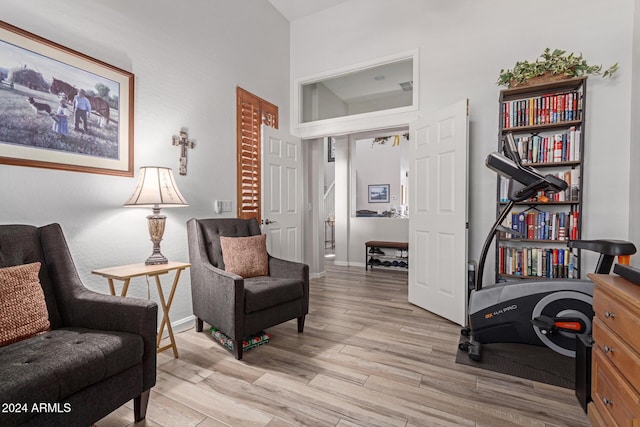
{"points": [[615, 377]]}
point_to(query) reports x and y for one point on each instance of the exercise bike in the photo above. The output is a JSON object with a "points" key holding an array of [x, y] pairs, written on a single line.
{"points": [[539, 312]]}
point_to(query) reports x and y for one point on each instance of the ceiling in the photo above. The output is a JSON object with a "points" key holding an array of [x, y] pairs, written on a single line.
{"points": [[295, 9]]}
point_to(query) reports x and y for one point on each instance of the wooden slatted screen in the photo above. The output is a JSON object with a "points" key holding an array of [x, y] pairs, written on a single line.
{"points": [[252, 111]]}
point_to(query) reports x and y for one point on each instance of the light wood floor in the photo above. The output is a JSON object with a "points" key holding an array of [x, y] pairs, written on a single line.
{"points": [[366, 358]]}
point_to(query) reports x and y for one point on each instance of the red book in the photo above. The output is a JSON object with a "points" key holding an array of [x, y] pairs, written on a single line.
{"points": [[560, 108], [574, 225], [505, 115], [557, 151], [530, 225]]}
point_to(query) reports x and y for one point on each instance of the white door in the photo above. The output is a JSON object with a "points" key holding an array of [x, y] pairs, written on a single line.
{"points": [[438, 212], [282, 193]]}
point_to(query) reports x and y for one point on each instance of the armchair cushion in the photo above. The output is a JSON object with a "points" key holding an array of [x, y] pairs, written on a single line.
{"points": [[53, 366], [264, 292], [212, 229], [24, 310], [245, 256]]}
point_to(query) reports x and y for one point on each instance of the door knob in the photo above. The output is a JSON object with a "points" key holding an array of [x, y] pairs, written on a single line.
{"points": [[268, 221]]}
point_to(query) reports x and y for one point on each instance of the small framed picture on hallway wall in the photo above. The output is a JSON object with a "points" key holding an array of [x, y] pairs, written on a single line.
{"points": [[379, 193]]}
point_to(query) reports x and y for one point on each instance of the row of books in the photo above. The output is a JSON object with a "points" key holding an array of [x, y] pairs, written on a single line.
{"points": [[571, 194], [544, 109], [541, 225], [560, 147], [537, 262]]}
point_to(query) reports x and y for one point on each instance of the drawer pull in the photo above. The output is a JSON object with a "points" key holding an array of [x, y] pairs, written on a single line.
{"points": [[608, 349], [606, 401], [608, 315]]}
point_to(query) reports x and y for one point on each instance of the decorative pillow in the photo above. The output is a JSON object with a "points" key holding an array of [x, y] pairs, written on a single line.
{"points": [[23, 311], [245, 256]]}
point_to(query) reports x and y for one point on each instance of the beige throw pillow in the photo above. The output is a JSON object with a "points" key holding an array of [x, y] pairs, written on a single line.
{"points": [[23, 310], [245, 256]]}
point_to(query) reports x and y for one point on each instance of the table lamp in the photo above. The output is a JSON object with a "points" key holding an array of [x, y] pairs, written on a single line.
{"points": [[156, 189]]}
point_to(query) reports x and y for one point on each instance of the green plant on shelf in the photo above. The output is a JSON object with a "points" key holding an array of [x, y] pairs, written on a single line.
{"points": [[551, 65]]}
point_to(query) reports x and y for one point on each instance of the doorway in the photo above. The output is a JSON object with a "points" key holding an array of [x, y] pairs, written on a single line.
{"points": [[352, 165], [329, 198]]}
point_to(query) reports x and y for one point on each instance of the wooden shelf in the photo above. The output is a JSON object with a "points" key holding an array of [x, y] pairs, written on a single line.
{"points": [[532, 203], [546, 126]]}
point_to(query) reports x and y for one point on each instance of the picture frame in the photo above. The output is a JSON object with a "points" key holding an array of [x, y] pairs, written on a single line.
{"points": [[331, 149], [43, 122], [379, 193]]}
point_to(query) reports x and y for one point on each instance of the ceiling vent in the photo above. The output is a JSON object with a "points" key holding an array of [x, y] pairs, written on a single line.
{"points": [[407, 86]]}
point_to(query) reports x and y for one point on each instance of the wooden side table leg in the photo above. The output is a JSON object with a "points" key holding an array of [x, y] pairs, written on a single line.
{"points": [[125, 287], [112, 288], [169, 302], [165, 319]]}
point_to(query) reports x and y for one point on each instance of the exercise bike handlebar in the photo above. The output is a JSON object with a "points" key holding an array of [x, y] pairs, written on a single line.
{"points": [[524, 183]]}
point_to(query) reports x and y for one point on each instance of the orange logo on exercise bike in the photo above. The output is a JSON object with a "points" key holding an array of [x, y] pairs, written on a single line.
{"points": [[501, 311]]}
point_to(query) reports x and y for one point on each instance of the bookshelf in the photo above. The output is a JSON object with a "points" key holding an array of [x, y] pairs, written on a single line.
{"points": [[547, 122]]}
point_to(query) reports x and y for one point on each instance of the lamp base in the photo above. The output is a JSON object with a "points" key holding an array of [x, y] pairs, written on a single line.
{"points": [[156, 259], [156, 224]]}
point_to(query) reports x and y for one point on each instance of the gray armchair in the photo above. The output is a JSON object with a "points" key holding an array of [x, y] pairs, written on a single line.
{"points": [[236, 306], [100, 351]]}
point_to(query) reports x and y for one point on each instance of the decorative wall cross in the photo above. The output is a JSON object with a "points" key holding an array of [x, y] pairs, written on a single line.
{"points": [[184, 143]]}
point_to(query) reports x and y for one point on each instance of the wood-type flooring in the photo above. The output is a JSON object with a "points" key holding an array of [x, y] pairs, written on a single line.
{"points": [[366, 358]]}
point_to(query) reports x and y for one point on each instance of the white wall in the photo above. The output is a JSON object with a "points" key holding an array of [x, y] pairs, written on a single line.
{"points": [[374, 164], [463, 45], [382, 229], [187, 59]]}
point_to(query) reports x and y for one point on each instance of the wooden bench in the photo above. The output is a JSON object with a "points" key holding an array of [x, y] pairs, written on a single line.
{"points": [[372, 244]]}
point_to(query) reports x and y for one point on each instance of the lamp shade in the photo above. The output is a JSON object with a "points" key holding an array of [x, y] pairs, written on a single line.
{"points": [[156, 188]]}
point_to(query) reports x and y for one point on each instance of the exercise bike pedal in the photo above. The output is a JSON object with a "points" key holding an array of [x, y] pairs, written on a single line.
{"points": [[545, 324], [549, 325]]}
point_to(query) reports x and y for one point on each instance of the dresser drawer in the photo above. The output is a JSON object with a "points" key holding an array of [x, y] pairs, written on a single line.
{"points": [[618, 353], [597, 419], [611, 394], [618, 318]]}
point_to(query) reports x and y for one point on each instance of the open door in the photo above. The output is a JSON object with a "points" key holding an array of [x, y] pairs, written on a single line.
{"points": [[438, 212], [282, 193]]}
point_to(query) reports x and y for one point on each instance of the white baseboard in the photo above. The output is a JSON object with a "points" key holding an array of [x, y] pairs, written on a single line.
{"points": [[317, 275], [349, 263], [180, 325]]}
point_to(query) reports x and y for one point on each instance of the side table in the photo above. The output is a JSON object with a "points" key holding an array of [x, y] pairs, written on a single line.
{"points": [[125, 273]]}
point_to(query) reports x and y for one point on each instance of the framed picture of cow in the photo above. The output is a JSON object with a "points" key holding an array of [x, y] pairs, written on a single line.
{"points": [[62, 109]]}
